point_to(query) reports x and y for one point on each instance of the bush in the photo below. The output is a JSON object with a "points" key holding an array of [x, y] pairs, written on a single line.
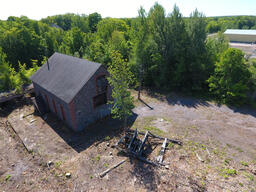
{"points": [[231, 77]]}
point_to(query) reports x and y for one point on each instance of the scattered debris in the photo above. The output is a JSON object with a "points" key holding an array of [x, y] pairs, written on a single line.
{"points": [[199, 158], [49, 163], [130, 144], [27, 115], [111, 168], [32, 120], [68, 175], [208, 151]]}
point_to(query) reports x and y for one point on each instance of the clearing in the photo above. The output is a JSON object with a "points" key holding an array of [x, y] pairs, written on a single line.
{"points": [[218, 151]]}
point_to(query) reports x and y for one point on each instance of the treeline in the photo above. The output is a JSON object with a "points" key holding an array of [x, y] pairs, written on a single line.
{"points": [[215, 24], [164, 51]]}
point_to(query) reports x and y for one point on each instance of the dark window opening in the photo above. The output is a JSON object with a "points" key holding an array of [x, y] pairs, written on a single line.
{"points": [[100, 99], [102, 84]]}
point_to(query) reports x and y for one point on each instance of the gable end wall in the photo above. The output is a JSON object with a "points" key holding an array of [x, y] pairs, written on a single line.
{"points": [[85, 112]]}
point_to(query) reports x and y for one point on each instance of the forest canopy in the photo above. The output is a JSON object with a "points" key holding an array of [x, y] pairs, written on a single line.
{"points": [[165, 51]]}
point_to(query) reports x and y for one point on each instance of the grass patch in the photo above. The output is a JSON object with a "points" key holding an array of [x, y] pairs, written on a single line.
{"points": [[154, 130], [8, 177], [249, 176], [170, 145], [239, 149], [107, 138], [58, 164], [97, 157], [244, 163]]}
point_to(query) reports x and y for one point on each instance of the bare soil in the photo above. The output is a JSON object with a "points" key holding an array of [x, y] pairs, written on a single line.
{"points": [[218, 151], [248, 49]]}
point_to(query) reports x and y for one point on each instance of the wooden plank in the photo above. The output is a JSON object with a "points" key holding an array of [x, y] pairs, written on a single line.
{"points": [[143, 143], [161, 154], [132, 140], [111, 168]]}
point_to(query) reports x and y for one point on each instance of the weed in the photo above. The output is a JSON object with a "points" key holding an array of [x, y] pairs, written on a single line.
{"points": [[239, 149], [229, 145], [241, 184], [98, 157], [230, 172], [107, 138], [244, 163], [106, 165], [227, 161], [154, 130], [8, 177], [170, 145], [58, 164], [248, 176], [91, 177]]}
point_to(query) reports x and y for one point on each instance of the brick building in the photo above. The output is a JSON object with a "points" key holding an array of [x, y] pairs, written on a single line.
{"points": [[74, 89]]}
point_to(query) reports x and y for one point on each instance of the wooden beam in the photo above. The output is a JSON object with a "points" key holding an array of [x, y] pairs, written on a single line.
{"points": [[111, 168], [161, 154]]}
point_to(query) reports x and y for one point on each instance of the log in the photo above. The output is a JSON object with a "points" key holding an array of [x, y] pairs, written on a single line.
{"points": [[113, 167]]}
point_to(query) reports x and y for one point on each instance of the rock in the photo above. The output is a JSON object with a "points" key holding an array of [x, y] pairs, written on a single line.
{"points": [[161, 120], [108, 144], [49, 163], [32, 120], [166, 166], [110, 153], [68, 175]]}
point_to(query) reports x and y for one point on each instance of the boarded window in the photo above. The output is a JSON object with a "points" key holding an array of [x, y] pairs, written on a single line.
{"points": [[100, 99], [62, 112], [102, 84], [47, 101], [54, 106]]}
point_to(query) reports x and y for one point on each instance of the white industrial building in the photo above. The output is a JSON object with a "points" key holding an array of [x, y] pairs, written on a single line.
{"points": [[242, 36]]}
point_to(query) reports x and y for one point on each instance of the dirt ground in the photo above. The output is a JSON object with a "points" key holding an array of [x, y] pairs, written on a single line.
{"points": [[218, 151], [248, 49]]}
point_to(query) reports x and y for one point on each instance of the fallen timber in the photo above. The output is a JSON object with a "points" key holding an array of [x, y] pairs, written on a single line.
{"points": [[156, 136], [131, 145], [113, 167]]}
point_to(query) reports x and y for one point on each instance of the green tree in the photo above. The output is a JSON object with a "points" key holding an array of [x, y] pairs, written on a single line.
{"points": [[196, 75], [93, 20], [106, 27], [229, 83], [120, 78], [5, 81]]}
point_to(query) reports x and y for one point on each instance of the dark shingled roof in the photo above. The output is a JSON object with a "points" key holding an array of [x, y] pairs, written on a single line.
{"points": [[66, 75]]}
